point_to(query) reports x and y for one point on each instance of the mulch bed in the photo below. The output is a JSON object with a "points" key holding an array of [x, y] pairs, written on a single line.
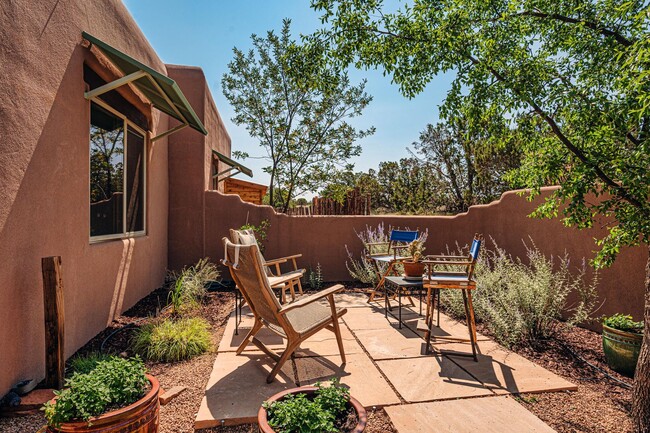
{"points": [[599, 405]]}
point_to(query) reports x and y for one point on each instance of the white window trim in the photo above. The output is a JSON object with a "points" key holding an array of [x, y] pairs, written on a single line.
{"points": [[127, 123]]}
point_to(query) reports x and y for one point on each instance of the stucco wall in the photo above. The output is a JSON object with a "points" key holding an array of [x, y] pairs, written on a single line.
{"points": [[322, 239], [44, 173], [190, 156]]}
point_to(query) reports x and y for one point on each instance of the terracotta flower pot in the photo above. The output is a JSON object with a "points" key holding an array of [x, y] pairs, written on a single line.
{"points": [[310, 390], [413, 269], [621, 349], [139, 417]]}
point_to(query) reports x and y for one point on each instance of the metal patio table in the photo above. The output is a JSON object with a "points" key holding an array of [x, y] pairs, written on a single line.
{"points": [[401, 286]]}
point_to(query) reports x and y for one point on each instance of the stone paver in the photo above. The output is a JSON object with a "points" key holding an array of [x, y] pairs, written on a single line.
{"points": [[485, 415], [430, 378], [390, 343], [506, 372], [366, 383], [237, 387]]}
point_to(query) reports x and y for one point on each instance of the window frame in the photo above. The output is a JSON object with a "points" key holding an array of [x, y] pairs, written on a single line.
{"points": [[127, 124]]}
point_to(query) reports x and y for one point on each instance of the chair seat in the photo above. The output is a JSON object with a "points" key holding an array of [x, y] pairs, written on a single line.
{"points": [[447, 278], [279, 281], [387, 258], [306, 318]]}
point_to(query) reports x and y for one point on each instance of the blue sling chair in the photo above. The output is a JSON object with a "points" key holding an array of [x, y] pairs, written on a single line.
{"points": [[436, 280], [385, 255]]}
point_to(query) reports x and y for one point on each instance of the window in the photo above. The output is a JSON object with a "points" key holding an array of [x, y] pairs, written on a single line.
{"points": [[117, 174]]}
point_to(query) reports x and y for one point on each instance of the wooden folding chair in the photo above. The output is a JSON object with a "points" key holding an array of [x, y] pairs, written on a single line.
{"points": [[438, 279], [295, 321], [386, 255]]}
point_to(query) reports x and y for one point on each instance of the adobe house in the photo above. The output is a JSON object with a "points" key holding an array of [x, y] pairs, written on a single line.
{"points": [[105, 156]]}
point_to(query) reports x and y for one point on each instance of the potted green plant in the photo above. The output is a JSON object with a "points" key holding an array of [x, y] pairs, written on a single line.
{"points": [[413, 267], [312, 409], [117, 395], [622, 338]]}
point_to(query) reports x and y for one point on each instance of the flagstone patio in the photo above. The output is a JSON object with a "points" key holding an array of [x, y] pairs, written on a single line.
{"points": [[386, 367]]}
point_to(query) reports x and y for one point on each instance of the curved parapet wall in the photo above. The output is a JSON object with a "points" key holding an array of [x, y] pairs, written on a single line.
{"points": [[323, 239]]}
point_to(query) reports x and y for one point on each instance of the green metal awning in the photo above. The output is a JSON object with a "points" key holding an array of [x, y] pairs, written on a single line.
{"points": [[234, 165], [163, 92]]}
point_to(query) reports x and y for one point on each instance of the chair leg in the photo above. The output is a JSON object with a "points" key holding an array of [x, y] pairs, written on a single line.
{"points": [[337, 328], [472, 321], [469, 317], [292, 291], [381, 281], [300, 287], [254, 330], [291, 347]]}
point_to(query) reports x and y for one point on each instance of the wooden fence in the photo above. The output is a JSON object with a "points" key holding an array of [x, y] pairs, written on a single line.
{"points": [[354, 203]]}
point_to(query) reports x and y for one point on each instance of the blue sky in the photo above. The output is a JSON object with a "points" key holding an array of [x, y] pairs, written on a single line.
{"points": [[203, 33]]}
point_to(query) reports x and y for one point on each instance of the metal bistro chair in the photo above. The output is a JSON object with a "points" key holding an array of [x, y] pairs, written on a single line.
{"points": [[295, 321], [279, 281], [446, 279], [389, 255]]}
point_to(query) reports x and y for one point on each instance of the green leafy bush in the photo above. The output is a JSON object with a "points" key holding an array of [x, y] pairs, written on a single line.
{"points": [[623, 323], [261, 232], [521, 302], [296, 413], [113, 383], [87, 363], [173, 340]]}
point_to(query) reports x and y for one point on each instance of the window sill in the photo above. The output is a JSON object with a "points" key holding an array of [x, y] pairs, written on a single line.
{"points": [[111, 238]]}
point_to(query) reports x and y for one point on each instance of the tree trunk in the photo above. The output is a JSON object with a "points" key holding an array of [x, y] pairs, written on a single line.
{"points": [[641, 392]]}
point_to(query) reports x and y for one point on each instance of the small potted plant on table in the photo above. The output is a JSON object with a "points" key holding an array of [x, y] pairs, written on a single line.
{"points": [[312, 409], [622, 338], [115, 396], [413, 267]]}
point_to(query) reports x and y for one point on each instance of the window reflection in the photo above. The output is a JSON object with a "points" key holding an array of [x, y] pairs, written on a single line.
{"points": [[106, 172], [134, 181]]}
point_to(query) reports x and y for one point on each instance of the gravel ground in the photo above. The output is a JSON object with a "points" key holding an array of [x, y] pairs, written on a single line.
{"points": [[599, 405]]}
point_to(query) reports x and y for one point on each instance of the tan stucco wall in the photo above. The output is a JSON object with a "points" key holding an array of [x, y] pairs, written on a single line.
{"points": [[322, 239], [190, 156], [44, 173]]}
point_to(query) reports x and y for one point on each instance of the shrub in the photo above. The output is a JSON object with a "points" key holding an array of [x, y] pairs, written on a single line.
{"points": [[87, 363], [260, 232], [173, 340], [520, 302], [191, 285], [113, 383], [316, 278], [296, 413], [623, 323]]}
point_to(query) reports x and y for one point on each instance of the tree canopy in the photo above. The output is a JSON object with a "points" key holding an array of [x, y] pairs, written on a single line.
{"points": [[297, 107]]}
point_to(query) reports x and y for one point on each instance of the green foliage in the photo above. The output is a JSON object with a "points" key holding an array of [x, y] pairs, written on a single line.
{"points": [[113, 383], [522, 302], [190, 286], [173, 340], [316, 278], [86, 363], [566, 81], [299, 414], [624, 323], [296, 106], [261, 232]]}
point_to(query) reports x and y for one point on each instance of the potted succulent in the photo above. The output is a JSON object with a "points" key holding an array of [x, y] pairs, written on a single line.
{"points": [[622, 338], [413, 268], [312, 409], [116, 396]]}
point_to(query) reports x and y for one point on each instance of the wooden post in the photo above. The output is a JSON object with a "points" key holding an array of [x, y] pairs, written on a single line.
{"points": [[53, 305]]}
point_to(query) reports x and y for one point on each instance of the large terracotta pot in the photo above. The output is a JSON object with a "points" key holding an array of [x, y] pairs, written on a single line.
{"points": [[310, 390], [413, 269], [139, 417], [621, 349]]}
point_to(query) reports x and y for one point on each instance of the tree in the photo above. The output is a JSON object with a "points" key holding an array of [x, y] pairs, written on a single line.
{"points": [[467, 172], [571, 77], [297, 108]]}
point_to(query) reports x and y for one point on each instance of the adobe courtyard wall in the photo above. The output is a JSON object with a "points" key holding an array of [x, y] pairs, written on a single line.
{"points": [[44, 173], [323, 239]]}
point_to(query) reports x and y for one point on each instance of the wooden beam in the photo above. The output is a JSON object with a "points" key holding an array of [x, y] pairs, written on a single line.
{"points": [[53, 305]]}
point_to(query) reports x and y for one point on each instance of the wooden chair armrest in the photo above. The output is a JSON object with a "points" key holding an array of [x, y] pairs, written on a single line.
{"points": [[445, 257], [377, 243], [275, 262], [295, 256], [301, 302], [446, 262]]}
